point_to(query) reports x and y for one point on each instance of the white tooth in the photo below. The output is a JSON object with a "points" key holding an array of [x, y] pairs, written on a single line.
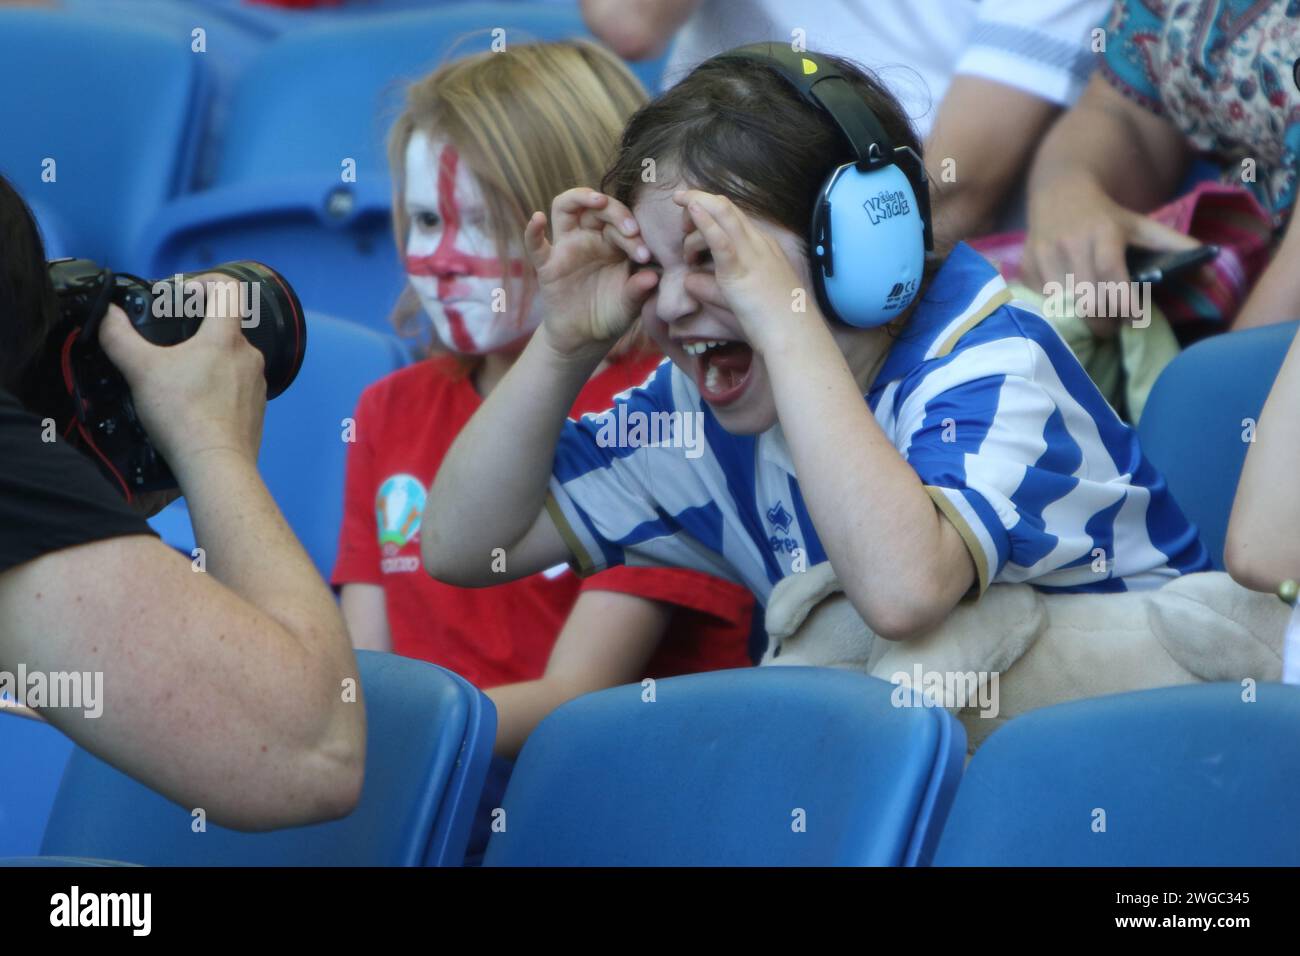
{"points": [[711, 378]]}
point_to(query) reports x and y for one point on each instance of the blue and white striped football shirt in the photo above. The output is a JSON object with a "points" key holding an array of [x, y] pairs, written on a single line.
{"points": [[982, 397]]}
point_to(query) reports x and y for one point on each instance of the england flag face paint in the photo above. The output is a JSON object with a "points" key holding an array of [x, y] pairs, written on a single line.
{"points": [[451, 259]]}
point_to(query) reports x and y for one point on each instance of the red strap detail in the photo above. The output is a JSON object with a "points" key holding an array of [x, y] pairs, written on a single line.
{"points": [[69, 383]]}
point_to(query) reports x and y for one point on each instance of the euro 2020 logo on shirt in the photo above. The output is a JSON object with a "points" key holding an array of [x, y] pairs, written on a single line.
{"points": [[398, 507]]}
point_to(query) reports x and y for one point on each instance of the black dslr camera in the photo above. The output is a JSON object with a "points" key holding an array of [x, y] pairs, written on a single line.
{"points": [[165, 312]]}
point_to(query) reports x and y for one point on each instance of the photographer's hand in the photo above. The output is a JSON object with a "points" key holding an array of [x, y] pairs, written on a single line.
{"points": [[204, 394], [228, 681]]}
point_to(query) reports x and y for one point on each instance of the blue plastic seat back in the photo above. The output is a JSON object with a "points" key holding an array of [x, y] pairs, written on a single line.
{"points": [[428, 743], [332, 241], [304, 446], [303, 183], [54, 231], [224, 44], [1199, 416], [33, 755], [1179, 776], [101, 123], [324, 94], [758, 766], [267, 20], [304, 441], [57, 861]]}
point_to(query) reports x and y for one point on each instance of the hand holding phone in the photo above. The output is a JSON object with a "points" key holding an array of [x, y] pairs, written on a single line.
{"points": [[1157, 266]]}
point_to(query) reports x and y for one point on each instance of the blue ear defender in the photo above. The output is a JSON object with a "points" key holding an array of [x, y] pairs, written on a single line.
{"points": [[871, 221], [868, 246]]}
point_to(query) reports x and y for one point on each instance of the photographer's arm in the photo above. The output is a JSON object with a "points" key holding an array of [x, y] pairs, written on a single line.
{"points": [[206, 698], [224, 689]]}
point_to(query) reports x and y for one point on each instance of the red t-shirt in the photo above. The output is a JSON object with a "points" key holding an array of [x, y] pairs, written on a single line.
{"points": [[404, 425]]}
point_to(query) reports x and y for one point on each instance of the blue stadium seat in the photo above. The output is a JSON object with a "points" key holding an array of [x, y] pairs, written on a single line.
{"points": [[1185, 776], [768, 766], [271, 21], [429, 739], [119, 112], [324, 94], [54, 231], [1193, 424], [47, 861], [279, 193], [333, 241], [304, 454], [33, 755], [228, 46], [268, 23]]}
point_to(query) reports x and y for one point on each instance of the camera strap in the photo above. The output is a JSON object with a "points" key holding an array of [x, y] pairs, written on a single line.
{"points": [[79, 407], [85, 337], [100, 307]]}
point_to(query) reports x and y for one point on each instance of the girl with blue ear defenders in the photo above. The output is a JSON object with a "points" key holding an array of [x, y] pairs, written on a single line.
{"points": [[863, 399]]}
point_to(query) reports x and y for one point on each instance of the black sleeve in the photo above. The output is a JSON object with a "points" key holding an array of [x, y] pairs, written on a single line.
{"points": [[51, 496]]}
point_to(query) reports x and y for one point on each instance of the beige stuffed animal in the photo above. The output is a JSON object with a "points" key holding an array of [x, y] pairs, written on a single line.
{"points": [[1024, 648]]}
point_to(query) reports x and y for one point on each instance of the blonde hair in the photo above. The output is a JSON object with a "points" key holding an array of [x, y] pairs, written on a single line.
{"points": [[528, 122]]}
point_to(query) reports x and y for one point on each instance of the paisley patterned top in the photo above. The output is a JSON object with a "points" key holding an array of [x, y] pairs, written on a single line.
{"points": [[1224, 72]]}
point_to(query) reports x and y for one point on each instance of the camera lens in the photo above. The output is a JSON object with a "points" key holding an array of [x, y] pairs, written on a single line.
{"points": [[273, 320]]}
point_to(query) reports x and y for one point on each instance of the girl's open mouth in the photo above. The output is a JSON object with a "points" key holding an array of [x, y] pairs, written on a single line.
{"points": [[721, 368]]}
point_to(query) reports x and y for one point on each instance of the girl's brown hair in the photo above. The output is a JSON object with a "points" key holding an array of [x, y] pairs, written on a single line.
{"points": [[529, 122], [737, 128]]}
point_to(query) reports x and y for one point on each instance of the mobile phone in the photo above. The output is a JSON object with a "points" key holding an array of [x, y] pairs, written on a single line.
{"points": [[1156, 266]]}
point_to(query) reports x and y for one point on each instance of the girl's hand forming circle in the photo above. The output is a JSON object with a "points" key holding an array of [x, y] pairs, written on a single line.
{"points": [[752, 274], [586, 272]]}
